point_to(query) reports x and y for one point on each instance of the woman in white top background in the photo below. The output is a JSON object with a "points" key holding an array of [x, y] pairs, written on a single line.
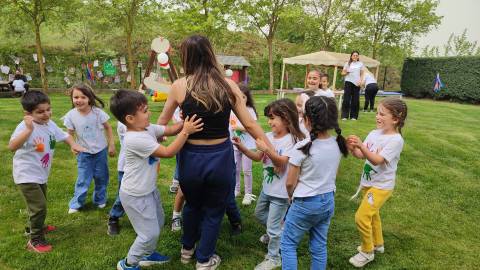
{"points": [[353, 72], [371, 89]]}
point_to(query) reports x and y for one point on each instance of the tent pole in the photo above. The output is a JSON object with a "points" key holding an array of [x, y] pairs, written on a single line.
{"points": [[280, 92], [307, 69], [334, 78], [376, 72]]}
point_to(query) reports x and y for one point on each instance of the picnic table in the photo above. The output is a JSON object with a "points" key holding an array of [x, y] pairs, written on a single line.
{"points": [[5, 86]]}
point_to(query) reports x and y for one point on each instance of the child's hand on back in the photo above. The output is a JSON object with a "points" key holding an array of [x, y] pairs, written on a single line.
{"points": [[76, 148], [238, 143], [192, 125], [28, 119]]}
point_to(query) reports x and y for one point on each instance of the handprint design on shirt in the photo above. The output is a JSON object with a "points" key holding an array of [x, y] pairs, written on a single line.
{"points": [[52, 142], [45, 160], [39, 144]]}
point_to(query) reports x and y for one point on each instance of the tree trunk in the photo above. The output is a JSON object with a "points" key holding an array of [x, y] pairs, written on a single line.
{"points": [[131, 67], [270, 64], [41, 66]]}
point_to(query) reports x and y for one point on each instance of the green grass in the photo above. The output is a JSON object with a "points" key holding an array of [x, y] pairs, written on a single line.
{"points": [[431, 222]]}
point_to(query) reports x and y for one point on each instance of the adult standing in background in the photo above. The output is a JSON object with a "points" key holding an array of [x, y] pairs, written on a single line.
{"points": [[206, 166], [371, 89], [353, 72]]}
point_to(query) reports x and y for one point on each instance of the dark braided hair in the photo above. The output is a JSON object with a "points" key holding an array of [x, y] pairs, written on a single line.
{"points": [[322, 114]]}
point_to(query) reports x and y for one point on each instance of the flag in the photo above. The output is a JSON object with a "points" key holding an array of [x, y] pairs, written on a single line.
{"points": [[437, 84]]}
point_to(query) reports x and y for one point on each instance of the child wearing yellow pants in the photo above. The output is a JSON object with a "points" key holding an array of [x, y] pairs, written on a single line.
{"points": [[381, 149]]}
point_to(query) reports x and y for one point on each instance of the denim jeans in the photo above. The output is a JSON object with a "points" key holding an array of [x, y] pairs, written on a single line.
{"points": [[91, 166], [313, 215], [270, 211], [117, 210]]}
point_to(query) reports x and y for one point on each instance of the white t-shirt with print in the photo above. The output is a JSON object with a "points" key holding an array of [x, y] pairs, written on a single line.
{"points": [[88, 128], [32, 161], [318, 171], [325, 93], [244, 136], [274, 184], [389, 147], [18, 85], [140, 171], [121, 131], [353, 74]]}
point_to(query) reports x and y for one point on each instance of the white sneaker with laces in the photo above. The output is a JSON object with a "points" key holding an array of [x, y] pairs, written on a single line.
{"points": [[212, 264], [101, 206], [268, 264], [248, 198], [361, 259], [73, 210], [376, 249], [264, 239], [176, 224]]}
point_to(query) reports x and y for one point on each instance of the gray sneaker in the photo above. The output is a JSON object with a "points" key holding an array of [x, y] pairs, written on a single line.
{"points": [[212, 264], [264, 239], [268, 264]]}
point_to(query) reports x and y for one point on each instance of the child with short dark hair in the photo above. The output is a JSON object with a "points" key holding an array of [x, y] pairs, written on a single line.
{"points": [[138, 192], [34, 142]]}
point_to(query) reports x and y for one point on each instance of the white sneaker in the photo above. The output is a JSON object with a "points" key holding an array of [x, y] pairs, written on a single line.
{"points": [[186, 255], [101, 206], [268, 264], [212, 264], [361, 259], [353, 119], [376, 249], [176, 224], [248, 198], [73, 210], [264, 239], [237, 193], [174, 187], [344, 119]]}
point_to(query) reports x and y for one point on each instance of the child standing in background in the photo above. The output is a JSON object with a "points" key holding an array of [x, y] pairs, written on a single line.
{"points": [[381, 149], [324, 89], [34, 142], [242, 162], [89, 124]]}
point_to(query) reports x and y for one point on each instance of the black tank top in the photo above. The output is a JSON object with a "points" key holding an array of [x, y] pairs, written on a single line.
{"points": [[215, 125]]}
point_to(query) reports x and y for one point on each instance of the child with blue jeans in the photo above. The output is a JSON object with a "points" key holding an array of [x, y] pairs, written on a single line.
{"points": [[138, 192], [272, 204], [311, 183], [89, 124]]}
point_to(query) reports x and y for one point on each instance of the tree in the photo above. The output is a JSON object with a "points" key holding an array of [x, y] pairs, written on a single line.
{"points": [[457, 45], [264, 17], [394, 22], [37, 12], [329, 21]]}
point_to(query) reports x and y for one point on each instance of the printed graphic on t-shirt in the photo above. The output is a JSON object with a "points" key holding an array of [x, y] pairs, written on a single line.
{"points": [[45, 159], [269, 174], [367, 171], [88, 132], [39, 145], [52, 141]]}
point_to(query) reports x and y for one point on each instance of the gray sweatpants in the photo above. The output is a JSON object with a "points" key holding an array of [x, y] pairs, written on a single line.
{"points": [[147, 218]]}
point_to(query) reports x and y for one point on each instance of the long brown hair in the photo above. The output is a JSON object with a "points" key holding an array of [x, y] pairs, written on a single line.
{"points": [[398, 109], [205, 79], [350, 60], [87, 91], [287, 110]]}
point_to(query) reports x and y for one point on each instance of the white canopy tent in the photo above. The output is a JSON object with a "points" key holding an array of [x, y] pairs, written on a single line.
{"points": [[329, 59]]}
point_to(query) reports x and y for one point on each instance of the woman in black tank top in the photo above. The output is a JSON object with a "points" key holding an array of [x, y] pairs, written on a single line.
{"points": [[206, 167]]}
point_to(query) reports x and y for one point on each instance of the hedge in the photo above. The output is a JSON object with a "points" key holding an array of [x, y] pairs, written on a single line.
{"points": [[460, 76]]}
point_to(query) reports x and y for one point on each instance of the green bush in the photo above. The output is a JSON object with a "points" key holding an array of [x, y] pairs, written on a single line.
{"points": [[460, 76]]}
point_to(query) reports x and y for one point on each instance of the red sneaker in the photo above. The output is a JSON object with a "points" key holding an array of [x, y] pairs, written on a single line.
{"points": [[39, 246], [49, 228]]}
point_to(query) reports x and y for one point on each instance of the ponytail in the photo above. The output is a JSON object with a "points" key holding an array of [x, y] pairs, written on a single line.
{"points": [[342, 143]]}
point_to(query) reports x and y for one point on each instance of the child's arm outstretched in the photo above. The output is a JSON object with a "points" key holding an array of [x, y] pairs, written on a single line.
{"points": [[292, 179], [253, 155], [278, 161], [110, 140], [19, 140], [361, 151], [190, 126], [74, 147]]}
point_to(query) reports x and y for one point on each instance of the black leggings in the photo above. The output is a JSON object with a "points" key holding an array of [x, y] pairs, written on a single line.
{"points": [[351, 101], [370, 93]]}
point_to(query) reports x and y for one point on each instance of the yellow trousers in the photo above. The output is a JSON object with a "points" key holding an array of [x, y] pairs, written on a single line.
{"points": [[368, 219]]}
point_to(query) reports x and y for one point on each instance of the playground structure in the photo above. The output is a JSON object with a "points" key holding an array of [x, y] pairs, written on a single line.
{"points": [[159, 61]]}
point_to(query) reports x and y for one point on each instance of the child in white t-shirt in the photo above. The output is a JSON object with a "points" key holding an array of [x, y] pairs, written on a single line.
{"points": [[272, 202], [89, 124], [242, 162], [324, 90], [18, 86], [381, 149], [311, 183], [138, 193], [34, 142]]}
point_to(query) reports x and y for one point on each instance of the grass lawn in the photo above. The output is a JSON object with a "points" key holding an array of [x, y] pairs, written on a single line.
{"points": [[431, 221]]}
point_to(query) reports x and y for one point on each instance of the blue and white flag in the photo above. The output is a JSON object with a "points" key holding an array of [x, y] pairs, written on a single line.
{"points": [[437, 84]]}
